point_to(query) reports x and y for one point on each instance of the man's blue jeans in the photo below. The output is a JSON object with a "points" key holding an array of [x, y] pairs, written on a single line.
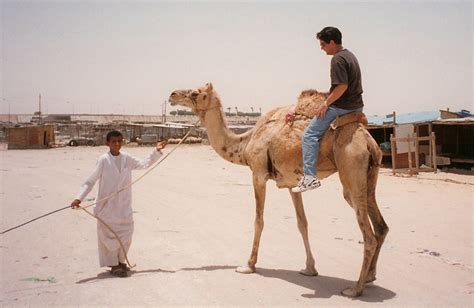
{"points": [[313, 133]]}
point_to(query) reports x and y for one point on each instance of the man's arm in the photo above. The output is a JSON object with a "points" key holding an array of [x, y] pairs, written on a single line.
{"points": [[336, 94], [320, 112]]}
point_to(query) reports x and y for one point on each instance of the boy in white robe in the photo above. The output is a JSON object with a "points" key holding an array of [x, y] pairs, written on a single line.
{"points": [[114, 172]]}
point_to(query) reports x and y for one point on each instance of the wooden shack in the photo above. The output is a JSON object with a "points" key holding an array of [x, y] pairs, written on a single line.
{"points": [[455, 138], [425, 138], [30, 137]]}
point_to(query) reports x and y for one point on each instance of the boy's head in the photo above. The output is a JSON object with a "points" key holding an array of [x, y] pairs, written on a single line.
{"points": [[114, 141]]}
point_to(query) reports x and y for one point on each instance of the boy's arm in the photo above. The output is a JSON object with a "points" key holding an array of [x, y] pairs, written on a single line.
{"points": [[88, 184], [147, 162]]}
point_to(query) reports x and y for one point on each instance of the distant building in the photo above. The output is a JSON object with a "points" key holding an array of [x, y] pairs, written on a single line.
{"points": [[454, 133], [30, 137]]}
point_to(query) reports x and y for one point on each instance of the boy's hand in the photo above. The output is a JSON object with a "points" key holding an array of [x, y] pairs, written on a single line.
{"points": [[75, 203], [161, 145]]}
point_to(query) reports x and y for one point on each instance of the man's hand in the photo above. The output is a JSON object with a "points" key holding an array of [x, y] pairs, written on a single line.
{"points": [[75, 203], [161, 145], [320, 111]]}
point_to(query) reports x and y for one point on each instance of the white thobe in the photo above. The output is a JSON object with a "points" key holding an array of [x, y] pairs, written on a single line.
{"points": [[117, 210]]}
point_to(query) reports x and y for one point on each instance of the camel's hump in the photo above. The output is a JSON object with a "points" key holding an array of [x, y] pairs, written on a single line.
{"points": [[308, 101]]}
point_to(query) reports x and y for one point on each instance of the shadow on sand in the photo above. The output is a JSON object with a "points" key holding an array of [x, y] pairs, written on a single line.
{"points": [[107, 275], [320, 286], [326, 286]]}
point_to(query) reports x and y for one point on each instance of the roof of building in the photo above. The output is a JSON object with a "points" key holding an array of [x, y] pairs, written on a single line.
{"points": [[460, 121], [412, 117], [416, 117]]}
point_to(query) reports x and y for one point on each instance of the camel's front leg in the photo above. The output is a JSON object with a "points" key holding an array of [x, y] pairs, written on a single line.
{"points": [[310, 270], [259, 186]]}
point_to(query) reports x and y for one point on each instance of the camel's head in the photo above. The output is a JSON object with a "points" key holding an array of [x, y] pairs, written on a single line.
{"points": [[200, 99]]}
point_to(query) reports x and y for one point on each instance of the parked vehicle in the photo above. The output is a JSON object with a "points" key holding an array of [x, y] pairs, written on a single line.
{"points": [[147, 139], [81, 141]]}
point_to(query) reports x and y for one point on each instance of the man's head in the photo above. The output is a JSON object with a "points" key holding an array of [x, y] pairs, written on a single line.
{"points": [[330, 40], [114, 141]]}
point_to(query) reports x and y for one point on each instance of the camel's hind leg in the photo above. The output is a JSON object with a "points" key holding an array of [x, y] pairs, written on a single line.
{"points": [[381, 230], [259, 186], [353, 176], [378, 223], [310, 270], [358, 201]]}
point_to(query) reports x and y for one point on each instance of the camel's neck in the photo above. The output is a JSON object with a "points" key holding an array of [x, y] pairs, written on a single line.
{"points": [[227, 144]]}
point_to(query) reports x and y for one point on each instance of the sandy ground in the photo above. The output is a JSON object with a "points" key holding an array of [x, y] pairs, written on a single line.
{"points": [[194, 225]]}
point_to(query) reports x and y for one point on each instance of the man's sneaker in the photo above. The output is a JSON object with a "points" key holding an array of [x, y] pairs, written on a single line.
{"points": [[306, 184]]}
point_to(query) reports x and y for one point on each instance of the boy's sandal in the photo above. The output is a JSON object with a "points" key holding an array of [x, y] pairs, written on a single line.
{"points": [[124, 267], [118, 271]]}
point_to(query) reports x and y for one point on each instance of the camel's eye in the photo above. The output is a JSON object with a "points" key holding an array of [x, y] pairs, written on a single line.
{"points": [[204, 97], [194, 94]]}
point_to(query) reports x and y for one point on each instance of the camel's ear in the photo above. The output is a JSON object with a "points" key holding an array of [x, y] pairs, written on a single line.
{"points": [[209, 86]]}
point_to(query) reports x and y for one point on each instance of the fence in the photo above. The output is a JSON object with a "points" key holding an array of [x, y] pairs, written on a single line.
{"points": [[410, 139]]}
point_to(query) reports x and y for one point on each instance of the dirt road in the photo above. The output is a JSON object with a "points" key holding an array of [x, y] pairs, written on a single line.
{"points": [[194, 225]]}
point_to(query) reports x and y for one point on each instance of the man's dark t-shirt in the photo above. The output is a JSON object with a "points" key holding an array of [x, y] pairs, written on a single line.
{"points": [[345, 70]]}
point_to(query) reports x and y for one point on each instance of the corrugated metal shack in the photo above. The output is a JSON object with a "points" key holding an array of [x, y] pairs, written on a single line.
{"points": [[65, 129], [95, 134], [92, 129]]}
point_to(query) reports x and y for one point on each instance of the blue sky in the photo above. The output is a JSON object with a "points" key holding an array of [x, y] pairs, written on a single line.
{"points": [[128, 56]]}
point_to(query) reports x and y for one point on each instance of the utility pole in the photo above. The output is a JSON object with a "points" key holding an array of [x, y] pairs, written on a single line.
{"points": [[163, 112], [39, 112]]}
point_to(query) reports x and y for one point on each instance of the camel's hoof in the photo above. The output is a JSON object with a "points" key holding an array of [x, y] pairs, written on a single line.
{"points": [[245, 270], [309, 272], [370, 279], [351, 292]]}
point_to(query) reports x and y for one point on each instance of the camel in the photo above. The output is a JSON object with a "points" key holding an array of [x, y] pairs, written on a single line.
{"points": [[272, 150]]}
